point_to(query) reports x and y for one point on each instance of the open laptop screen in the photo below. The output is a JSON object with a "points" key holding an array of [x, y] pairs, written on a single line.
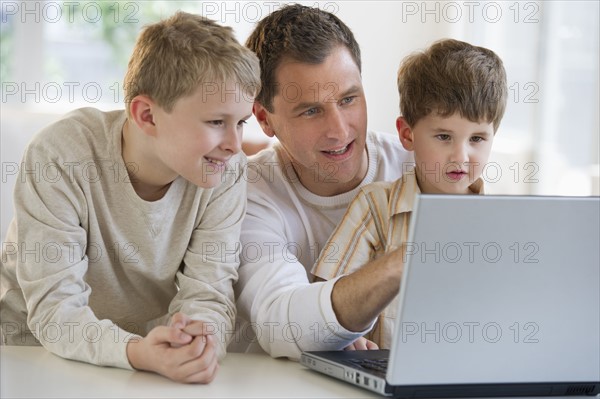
{"points": [[499, 289]]}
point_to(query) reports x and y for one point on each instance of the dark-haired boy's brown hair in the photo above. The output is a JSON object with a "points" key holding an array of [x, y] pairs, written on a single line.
{"points": [[453, 76], [299, 33]]}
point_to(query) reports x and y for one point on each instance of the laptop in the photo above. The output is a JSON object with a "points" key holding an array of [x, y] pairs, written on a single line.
{"points": [[500, 297]]}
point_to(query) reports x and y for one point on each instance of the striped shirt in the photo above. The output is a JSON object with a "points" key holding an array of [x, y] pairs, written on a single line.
{"points": [[375, 223]]}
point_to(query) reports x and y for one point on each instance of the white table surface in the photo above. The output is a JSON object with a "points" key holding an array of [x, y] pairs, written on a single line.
{"points": [[33, 372]]}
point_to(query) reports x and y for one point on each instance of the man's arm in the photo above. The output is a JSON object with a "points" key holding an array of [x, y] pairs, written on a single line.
{"points": [[357, 251], [288, 314], [360, 297]]}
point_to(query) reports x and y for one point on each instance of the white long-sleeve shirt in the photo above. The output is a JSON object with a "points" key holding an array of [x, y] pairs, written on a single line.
{"points": [[285, 229], [87, 264]]}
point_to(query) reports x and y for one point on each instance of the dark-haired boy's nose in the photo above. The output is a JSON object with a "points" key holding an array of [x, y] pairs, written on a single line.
{"points": [[460, 154]]}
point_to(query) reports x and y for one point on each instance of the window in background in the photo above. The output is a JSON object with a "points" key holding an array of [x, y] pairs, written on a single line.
{"points": [[548, 140], [69, 54], [568, 120], [57, 56], [6, 43]]}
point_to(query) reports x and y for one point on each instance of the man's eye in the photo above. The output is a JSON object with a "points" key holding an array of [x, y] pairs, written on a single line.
{"points": [[310, 112], [348, 100]]}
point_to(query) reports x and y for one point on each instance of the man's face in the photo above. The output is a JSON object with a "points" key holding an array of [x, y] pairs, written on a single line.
{"points": [[320, 117]]}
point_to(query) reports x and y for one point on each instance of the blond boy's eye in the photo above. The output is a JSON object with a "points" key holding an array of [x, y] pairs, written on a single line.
{"points": [[443, 137], [476, 139], [216, 122]]}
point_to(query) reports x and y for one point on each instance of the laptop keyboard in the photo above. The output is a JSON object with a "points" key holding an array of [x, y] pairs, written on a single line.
{"points": [[379, 365]]}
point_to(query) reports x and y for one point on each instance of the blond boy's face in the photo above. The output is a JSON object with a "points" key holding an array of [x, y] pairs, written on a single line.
{"points": [[197, 139], [450, 152]]}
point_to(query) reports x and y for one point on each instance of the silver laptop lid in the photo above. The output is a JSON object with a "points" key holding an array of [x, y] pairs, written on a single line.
{"points": [[499, 289]]}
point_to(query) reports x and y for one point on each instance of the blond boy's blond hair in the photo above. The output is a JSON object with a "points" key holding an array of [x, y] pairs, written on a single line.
{"points": [[173, 57]]}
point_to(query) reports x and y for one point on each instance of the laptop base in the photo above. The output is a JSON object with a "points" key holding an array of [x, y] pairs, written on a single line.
{"points": [[498, 390], [342, 365]]}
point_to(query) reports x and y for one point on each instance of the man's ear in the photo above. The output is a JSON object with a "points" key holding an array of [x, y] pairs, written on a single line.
{"points": [[141, 113], [405, 133], [262, 116]]}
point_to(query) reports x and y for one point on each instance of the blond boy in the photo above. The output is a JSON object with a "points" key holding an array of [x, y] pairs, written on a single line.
{"points": [[124, 234], [452, 99]]}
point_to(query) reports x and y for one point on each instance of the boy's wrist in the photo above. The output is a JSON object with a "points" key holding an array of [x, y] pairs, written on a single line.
{"points": [[132, 354]]}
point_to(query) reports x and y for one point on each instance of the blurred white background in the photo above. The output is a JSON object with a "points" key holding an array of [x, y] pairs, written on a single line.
{"points": [[57, 56]]}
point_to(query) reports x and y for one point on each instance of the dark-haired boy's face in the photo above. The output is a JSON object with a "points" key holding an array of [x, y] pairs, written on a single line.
{"points": [[451, 152], [320, 118]]}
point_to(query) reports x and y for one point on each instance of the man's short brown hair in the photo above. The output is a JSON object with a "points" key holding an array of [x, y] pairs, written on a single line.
{"points": [[300, 33]]}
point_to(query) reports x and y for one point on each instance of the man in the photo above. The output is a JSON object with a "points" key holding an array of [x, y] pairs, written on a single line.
{"points": [[312, 100]]}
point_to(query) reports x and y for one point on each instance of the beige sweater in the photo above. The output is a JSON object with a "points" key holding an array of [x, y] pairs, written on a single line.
{"points": [[87, 264]]}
